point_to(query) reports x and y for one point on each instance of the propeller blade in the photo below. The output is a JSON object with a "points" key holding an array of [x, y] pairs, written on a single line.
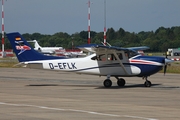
{"points": [[165, 67]]}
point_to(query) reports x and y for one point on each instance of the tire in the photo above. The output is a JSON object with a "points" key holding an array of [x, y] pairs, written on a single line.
{"points": [[121, 82], [107, 83], [147, 84]]}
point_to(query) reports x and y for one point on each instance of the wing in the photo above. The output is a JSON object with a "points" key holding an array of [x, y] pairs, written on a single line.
{"points": [[89, 47], [138, 48], [98, 47]]}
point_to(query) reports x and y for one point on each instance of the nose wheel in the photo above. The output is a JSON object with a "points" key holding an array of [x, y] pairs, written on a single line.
{"points": [[147, 83]]}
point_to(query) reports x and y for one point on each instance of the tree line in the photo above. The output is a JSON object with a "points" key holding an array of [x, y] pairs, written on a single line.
{"points": [[158, 41]]}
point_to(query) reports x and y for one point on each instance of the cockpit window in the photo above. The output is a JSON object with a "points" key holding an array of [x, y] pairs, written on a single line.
{"points": [[120, 56]]}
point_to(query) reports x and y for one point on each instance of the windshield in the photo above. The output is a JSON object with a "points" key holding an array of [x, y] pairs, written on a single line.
{"points": [[131, 53]]}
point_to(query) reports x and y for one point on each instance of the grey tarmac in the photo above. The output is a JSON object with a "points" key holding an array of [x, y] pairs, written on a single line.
{"points": [[32, 94]]}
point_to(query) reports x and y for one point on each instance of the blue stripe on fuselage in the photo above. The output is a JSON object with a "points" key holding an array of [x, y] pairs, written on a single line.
{"points": [[146, 70], [149, 69]]}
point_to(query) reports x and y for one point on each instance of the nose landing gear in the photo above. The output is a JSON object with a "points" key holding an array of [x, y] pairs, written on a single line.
{"points": [[147, 83]]}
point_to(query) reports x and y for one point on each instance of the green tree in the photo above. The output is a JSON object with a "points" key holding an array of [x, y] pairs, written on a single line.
{"points": [[111, 34]]}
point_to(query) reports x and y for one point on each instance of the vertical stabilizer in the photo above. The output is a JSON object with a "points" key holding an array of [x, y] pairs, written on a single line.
{"points": [[36, 45], [24, 51]]}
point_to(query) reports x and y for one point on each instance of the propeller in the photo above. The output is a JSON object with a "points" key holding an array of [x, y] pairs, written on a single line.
{"points": [[165, 67]]}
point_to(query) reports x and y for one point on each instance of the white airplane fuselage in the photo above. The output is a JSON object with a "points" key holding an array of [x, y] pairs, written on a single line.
{"points": [[84, 66], [45, 50], [88, 66]]}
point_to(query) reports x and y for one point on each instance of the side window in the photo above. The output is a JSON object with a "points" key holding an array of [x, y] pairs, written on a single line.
{"points": [[120, 56], [94, 58], [126, 54], [111, 57], [101, 57]]}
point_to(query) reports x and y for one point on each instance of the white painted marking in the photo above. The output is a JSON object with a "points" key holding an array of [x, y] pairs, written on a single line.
{"points": [[74, 110]]}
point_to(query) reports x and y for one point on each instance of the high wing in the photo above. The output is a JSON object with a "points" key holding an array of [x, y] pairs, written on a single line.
{"points": [[89, 47], [139, 48], [102, 48]]}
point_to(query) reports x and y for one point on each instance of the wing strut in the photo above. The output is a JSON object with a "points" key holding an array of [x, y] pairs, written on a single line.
{"points": [[115, 54]]}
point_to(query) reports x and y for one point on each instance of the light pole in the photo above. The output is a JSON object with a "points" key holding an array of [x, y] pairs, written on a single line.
{"points": [[104, 22], [89, 31], [3, 52]]}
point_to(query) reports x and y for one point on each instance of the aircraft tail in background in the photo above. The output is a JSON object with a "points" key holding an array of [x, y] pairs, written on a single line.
{"points": [[36, 44], [45, 50]]}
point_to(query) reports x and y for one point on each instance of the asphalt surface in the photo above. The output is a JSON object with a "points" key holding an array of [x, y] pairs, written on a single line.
{"points": [[29, 94]]}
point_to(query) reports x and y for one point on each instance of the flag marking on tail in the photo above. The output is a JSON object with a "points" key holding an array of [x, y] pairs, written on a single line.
{"points": [[18, 38]]}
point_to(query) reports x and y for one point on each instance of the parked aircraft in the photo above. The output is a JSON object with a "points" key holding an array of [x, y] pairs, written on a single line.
{"points": [[45, 50], [107, 61]]}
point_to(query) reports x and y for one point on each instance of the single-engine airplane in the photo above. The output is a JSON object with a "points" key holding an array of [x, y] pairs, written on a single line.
{"points": [[106, 61]]}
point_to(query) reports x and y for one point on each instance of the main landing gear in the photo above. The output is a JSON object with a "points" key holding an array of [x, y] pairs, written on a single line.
{"points": [[108, 83]]}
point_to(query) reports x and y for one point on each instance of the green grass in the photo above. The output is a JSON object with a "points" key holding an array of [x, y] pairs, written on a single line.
{"points": [[155, 54], [173, 68], [8, 62], [7, 65]]}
